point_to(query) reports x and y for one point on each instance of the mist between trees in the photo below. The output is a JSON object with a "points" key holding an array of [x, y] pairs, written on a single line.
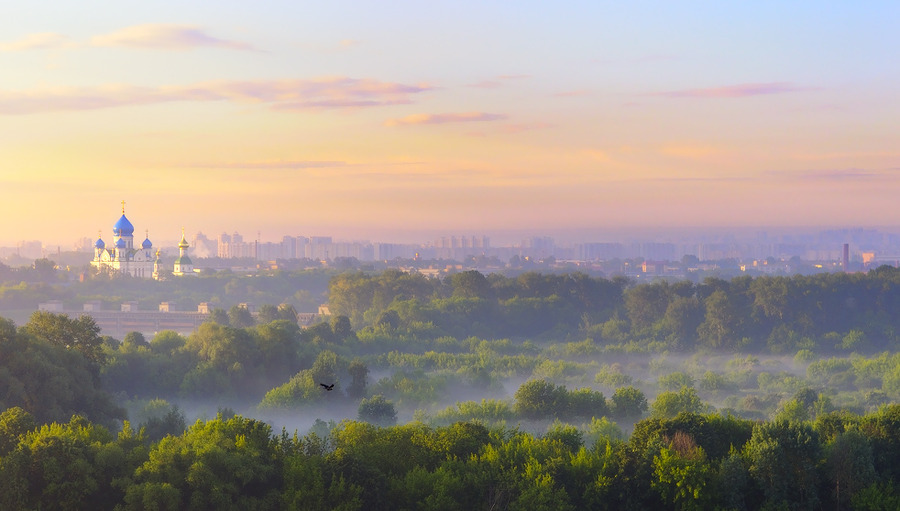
{"points": [[549, 367]]}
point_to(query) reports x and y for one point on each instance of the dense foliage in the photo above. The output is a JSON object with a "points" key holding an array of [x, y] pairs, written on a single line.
{"points": [[471, 392], [691, 461], [827, 313]]}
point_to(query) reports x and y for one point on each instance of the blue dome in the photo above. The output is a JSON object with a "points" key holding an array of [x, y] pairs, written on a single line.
{"points": [[123, 227], [99, 243], [146, 243], [120, 243]]}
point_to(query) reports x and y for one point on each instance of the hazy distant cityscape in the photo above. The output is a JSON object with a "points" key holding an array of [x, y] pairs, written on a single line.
{"points": [[758, 251]]}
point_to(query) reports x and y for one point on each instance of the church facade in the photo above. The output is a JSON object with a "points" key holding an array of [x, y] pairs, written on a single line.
{"points": [[123, 257]]}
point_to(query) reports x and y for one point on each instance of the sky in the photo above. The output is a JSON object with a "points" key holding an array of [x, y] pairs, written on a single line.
{"points": [[395, 120]]}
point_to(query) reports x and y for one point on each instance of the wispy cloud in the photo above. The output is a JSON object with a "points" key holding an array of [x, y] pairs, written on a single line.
{"points": [[496, 82], [321, 93], [166, 37], [271, 165], [526, 126], [444, 118], [41, 41], [736, 91], [693, 151], [486, 84], [572, 93], [838, 175]]}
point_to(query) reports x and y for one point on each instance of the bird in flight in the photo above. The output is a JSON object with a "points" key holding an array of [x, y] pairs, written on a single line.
{"points": [[327, 387]]}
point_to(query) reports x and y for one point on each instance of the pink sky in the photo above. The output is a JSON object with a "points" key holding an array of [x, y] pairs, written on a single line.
{"points": [[357, 120]]}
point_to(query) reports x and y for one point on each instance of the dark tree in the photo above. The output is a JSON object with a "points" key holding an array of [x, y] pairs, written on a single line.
{"points": [[240, 317], [376, 410], [267, 314], [359, 373], [135, 339], [81, 334], [540, 399], [628, 403]]}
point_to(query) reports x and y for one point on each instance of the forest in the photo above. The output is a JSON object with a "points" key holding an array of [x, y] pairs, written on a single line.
{"points": [[534, 391]]}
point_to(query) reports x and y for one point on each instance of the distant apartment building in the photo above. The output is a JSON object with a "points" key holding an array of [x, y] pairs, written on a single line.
{"points": [[30, 249], [461, 247], [599, 251], [233, 246], [391, 251], [203, 246], [319, 247], [538, 247], [656, 251]]}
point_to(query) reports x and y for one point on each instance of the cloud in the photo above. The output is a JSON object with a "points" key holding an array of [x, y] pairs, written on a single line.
{"points": [[736, 91], [272, 165], [838, 175], [486, 84], [444, 118], [596, 155], [526, 126], [496, 82], [572, 93], [165, 37], [688, 151], [292, 94], [41, 41]]}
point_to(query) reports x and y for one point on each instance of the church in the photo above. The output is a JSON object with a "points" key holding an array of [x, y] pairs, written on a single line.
{"points": [[124, 258]]}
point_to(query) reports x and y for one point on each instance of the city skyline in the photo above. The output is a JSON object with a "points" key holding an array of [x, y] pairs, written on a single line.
{"points": [[365, 121]]}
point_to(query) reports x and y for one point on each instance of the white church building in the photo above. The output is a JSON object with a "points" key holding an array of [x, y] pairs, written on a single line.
{"points": [[124, 258]]}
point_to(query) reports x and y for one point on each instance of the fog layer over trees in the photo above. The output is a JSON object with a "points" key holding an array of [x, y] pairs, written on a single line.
{"points": [[513, 391]]}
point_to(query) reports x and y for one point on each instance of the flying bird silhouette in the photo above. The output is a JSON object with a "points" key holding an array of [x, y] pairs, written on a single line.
{"points": [[327, 387]]}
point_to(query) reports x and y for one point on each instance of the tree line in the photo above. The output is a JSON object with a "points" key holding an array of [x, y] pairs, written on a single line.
{"points": [[691, 461], [827, 312]]}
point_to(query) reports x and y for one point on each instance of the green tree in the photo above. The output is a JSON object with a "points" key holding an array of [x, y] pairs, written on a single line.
{"points": [[49, 380], [586, 404], [45, 269], [850, 465], [470, 284], [159, 419], [218, 464], [287, 312], [721, 326], [341, 328], [682, 474], [389, 320], [267, 313], [540, 399], [81, 334], [358, 374], [646, 304], [67, 466], [240, 317], [218, 316], [628, 403], [135, 340], [378, 411], [14, 424], [683, 317], [670, 404], [783, 457]]}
